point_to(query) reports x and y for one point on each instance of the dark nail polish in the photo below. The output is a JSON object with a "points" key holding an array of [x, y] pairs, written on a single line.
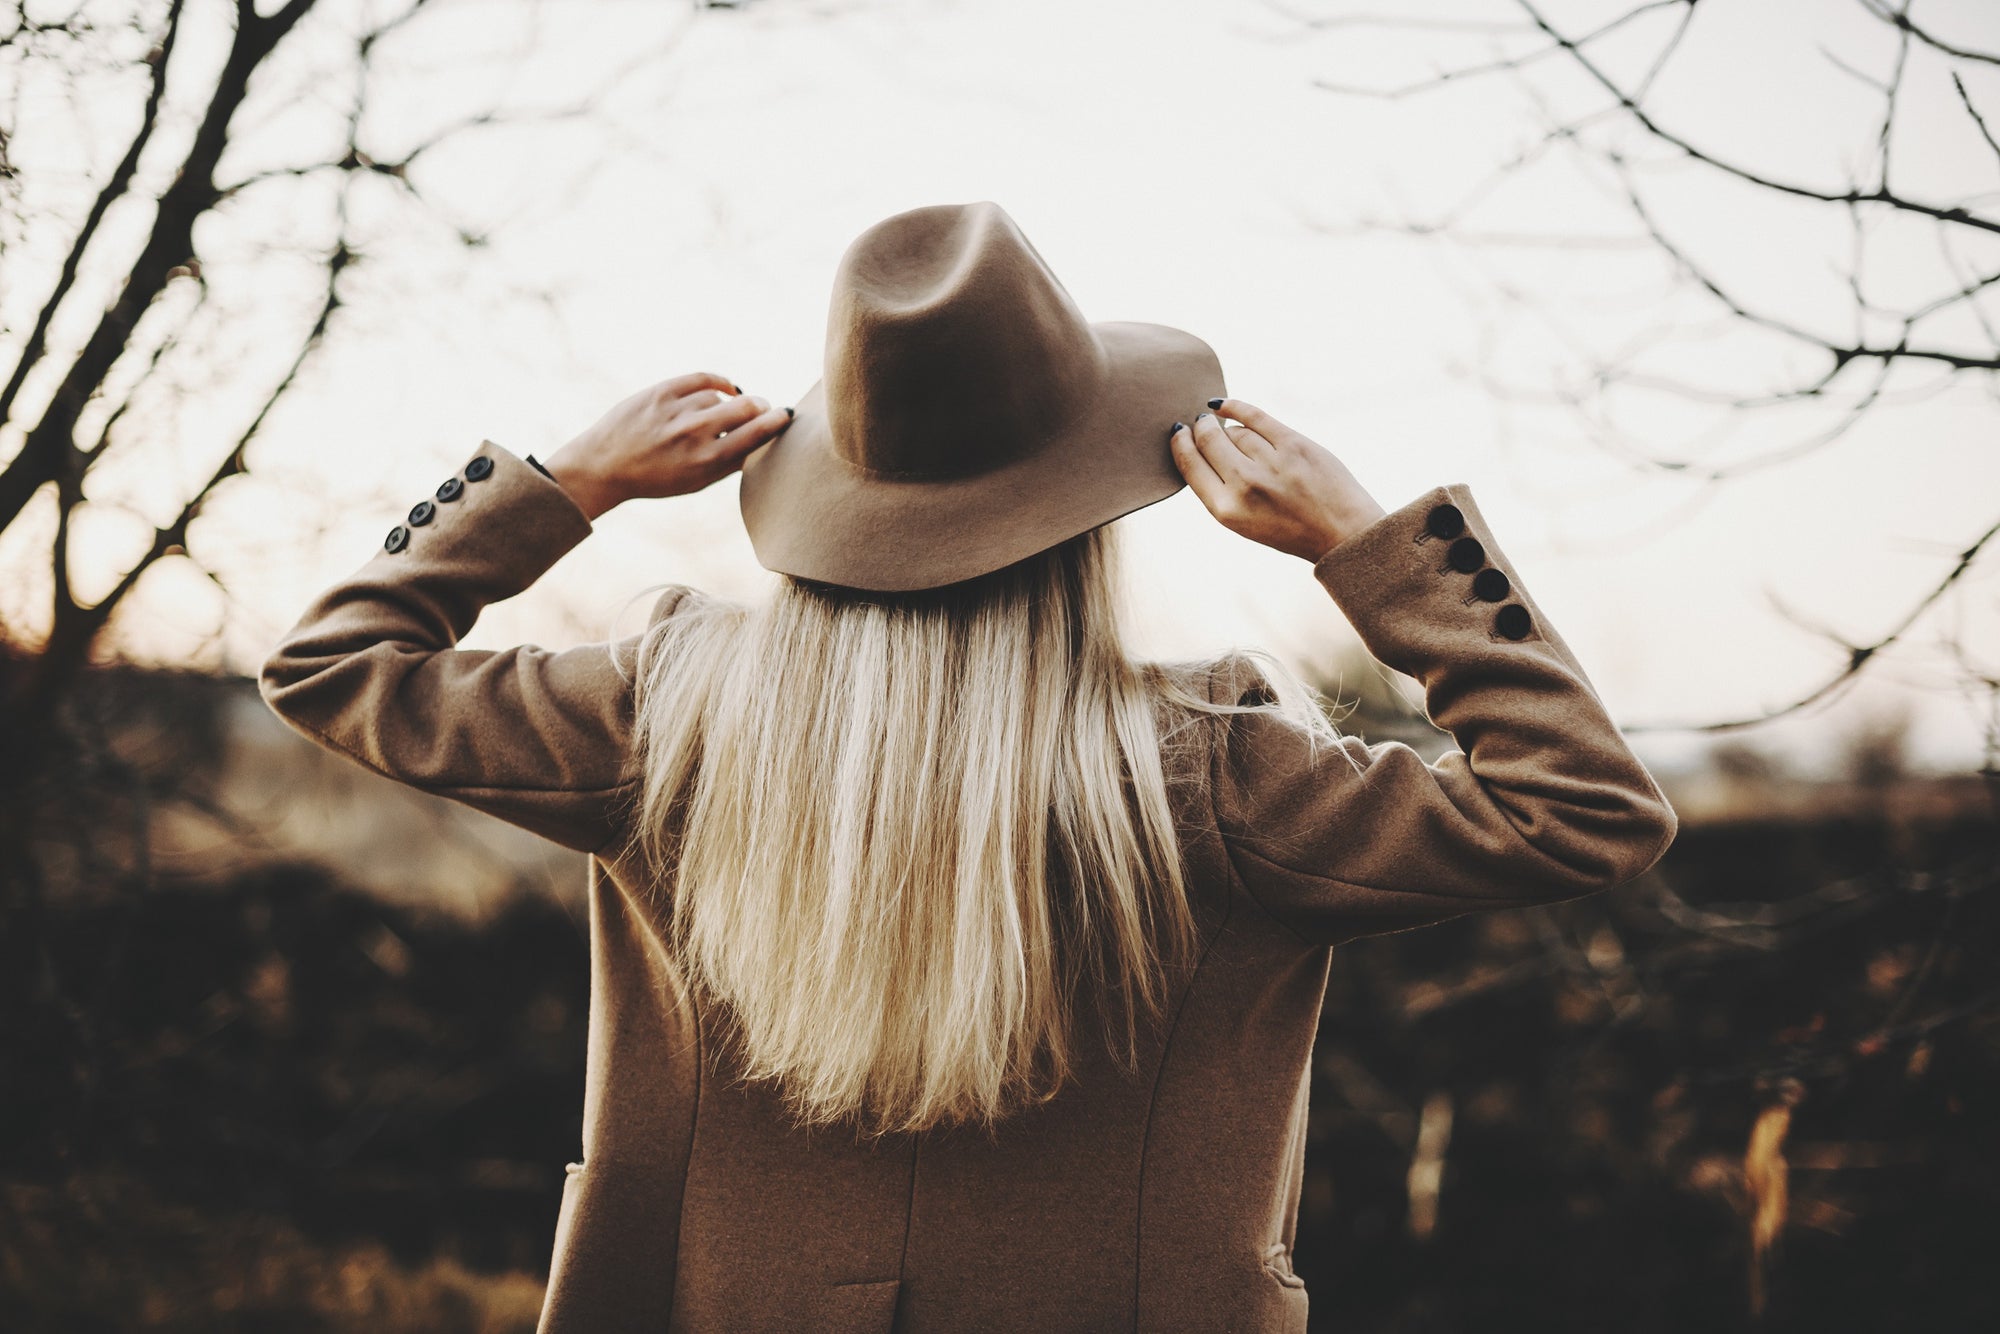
{"points": [[789, 414], [1178, 428], [1215, 402], [737, 387], [1205, 414]]}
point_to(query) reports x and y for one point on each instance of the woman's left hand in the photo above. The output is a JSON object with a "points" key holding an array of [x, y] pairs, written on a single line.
{"points": [[669, 439]]}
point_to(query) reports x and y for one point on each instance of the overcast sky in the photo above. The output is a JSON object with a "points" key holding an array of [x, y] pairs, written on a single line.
{"points": [[1171, 160]]}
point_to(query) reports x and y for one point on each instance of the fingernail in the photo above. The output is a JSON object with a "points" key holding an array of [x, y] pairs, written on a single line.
{"points": [[1215, 402], [790, 413], [737, 387], [1199, 416], [1178, 428]]}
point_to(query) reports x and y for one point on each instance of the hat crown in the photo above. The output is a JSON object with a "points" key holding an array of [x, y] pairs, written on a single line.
{"points": [[952, 349]]}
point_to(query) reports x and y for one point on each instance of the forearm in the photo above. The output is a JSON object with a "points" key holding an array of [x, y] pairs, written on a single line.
{"points": [[1433, 596], [372, 669], [571, 470], [1543, 800]]}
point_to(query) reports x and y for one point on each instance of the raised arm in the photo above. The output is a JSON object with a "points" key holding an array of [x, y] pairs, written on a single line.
{"points": [[536, 737], [1543, 800]]}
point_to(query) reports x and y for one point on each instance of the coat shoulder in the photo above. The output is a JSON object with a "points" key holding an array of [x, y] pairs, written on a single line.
{"points": [[673, 599], [1223, 678]]}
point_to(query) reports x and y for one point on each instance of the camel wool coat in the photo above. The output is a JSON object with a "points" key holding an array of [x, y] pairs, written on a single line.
{"points": [[1164, 1202]]}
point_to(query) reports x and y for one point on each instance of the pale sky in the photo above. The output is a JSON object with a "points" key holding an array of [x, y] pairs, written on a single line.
{"points": [[1169, 158]]}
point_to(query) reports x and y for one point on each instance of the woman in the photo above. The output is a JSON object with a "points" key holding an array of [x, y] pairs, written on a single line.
{"points": [[950, 970]]}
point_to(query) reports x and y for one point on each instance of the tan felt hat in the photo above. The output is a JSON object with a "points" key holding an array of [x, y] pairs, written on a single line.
{"points": [[968, 415]]}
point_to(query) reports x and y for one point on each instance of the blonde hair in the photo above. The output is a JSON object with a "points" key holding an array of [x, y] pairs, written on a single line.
{"points": [[894, 834]]}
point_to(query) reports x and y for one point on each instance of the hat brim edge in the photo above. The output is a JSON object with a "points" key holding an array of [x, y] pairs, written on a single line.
{"points": [[811, 514]]}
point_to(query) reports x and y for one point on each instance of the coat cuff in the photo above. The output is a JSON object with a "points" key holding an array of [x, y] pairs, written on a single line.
{"points": [[497, 515], [1419, 581]]}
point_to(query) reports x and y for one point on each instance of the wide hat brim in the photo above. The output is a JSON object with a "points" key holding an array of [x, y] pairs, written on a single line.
{"points": [[813, 514]]}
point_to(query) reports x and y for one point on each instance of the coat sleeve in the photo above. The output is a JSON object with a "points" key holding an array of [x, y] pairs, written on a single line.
{"points": [[1542, 800], [540, 739]]}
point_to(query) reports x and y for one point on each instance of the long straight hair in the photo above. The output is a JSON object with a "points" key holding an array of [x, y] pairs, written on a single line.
{"points": [[897, 835]]}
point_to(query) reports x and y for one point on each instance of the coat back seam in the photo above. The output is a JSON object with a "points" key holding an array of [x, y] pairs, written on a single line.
{"points": [[1159, 1074], [687, 1163]]}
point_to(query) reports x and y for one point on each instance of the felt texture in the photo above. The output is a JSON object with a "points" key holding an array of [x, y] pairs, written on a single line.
{"points": [[1165, 1200], [969, 416]]}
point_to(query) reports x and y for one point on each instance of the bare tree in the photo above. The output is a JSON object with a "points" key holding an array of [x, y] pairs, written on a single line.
{"points": [[1605, 104], [73, 405], [129, 342], [1627, 139]]}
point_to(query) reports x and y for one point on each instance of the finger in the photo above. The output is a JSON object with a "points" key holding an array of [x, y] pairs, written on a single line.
{"points": [[1256, 419], [727, 415], [1250, 442], [1216, 446], [683, 385], [698, 400], [752, 435], [1201, 478]]}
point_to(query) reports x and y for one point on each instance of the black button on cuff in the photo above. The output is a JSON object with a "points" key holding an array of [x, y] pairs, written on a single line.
{"points": [[398, 538], [1466, 555], [1491, 586], [1445, 521], [423, 513], [479, 469], [451, 490], [1513, 621]]}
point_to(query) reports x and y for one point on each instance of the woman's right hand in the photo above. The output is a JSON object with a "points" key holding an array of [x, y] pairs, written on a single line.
{"points": [[668, 439], [1266, 482]]}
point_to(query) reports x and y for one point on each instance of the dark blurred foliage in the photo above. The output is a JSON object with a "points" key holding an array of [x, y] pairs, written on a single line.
{"points": [[1605, 1062], [267, 1101], [273, 1101], [287, 1076]]}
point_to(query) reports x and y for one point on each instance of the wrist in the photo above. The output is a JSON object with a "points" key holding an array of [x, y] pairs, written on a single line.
{"points": [[592, 492], [1339, 528]]}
